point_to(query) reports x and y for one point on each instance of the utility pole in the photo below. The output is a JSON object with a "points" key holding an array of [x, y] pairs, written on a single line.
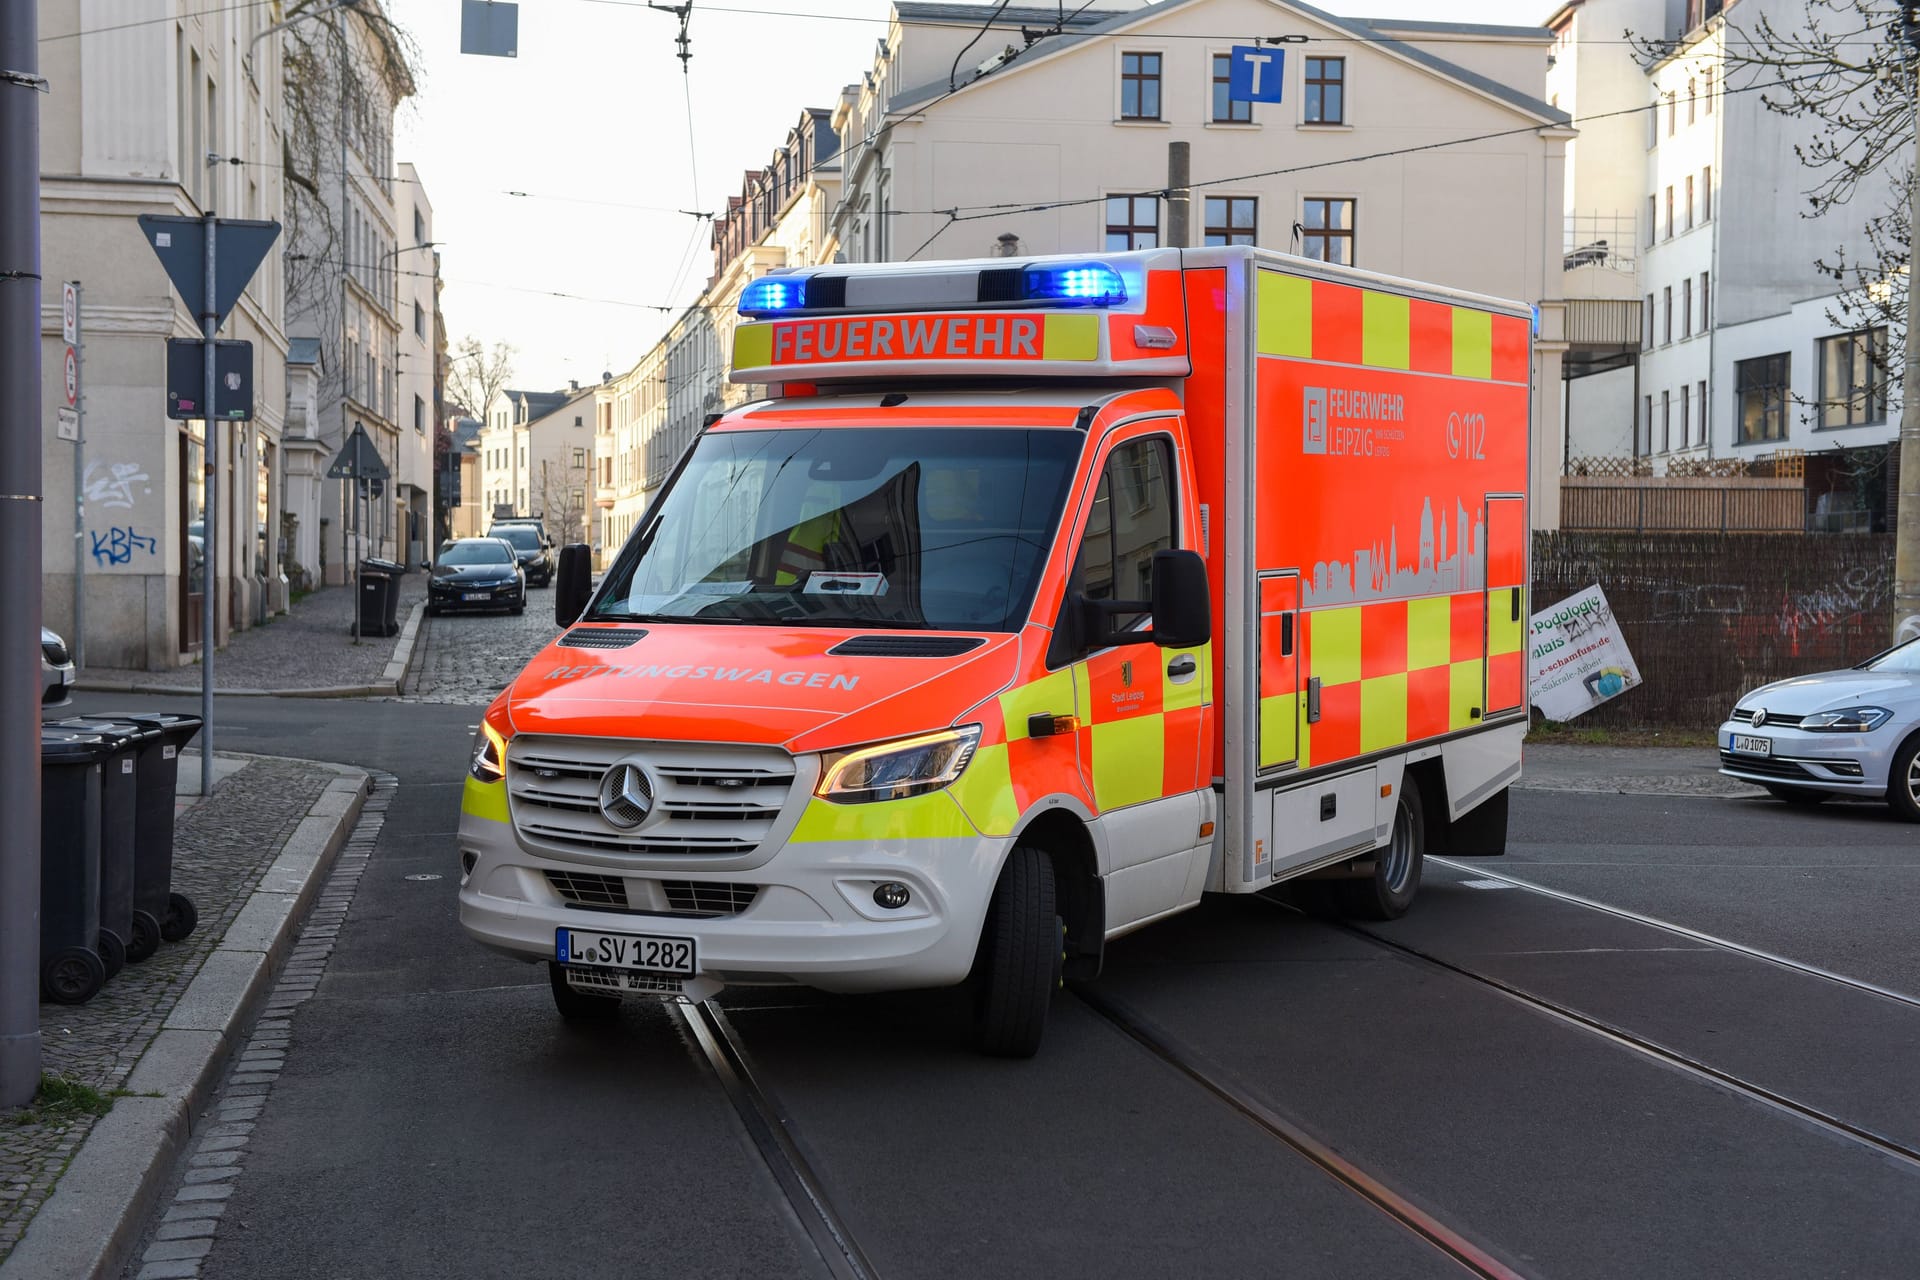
{"points": [[209, 598], [1906, 541], [1179, 193], [20, 514]]}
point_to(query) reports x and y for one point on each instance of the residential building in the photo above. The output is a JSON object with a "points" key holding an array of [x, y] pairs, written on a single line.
{"points": [[344, 242], [421, 371], [1065, 145], [173, 117], [536, 459], [506, 474], [632, 411], [461, 489]]}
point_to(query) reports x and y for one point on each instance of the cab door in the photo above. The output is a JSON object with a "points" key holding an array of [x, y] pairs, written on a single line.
{"points": [[1142, 709]]}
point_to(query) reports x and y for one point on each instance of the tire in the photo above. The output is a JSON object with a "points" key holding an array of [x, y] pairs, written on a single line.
{"points": [[181, 918], [146, 937], [112, 952], [72, 975], [433, 611], [518, 609], [579, 1006], [1018, 964], [1796, 797], [1903, 781], [1389, 891]]}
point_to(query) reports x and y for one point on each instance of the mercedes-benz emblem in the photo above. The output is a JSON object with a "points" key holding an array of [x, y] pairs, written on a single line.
{"points": [[626, 795], [1759, 717]]}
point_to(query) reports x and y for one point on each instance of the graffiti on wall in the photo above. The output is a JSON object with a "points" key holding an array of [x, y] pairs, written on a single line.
{"points": [[116, 545], [114, 484], [1857, 595]]}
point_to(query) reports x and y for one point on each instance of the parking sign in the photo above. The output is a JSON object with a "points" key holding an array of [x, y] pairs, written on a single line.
{"points": [[1255, 74]]}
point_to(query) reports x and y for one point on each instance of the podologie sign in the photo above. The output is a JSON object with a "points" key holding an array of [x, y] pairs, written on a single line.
{"points": [[1578, 657]]}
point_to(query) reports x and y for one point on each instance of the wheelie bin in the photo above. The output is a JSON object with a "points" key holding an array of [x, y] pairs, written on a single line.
{"points": [[154, 897], [71, 970], [380, 597], [119, 801]]}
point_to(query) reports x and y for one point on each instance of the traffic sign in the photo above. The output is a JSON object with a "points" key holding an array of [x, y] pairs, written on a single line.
{"points": [[358, 459], [73, 378], [68, 423], [187, 376], [70, 313], [181, 245], [1255, 74]]}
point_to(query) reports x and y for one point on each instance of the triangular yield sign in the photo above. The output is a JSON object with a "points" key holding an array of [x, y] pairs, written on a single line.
{"points": [[358, 459], [239, 245]]}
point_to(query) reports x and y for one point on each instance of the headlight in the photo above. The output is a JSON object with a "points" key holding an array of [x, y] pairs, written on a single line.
{"points": [[1847, 720], [489, 762], [896, 770]]}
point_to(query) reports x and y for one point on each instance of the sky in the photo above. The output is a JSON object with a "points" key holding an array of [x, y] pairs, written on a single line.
{"points": [[591, 123]]}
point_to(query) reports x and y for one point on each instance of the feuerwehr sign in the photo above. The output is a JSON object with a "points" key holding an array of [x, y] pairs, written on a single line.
{"points": [[1579, 658]]}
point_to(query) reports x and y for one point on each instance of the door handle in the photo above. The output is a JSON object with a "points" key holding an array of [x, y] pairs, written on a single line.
{"points": [[1182, 669]]}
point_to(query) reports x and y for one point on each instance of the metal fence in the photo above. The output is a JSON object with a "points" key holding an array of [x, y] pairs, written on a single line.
{"points": [[1709, 616]]}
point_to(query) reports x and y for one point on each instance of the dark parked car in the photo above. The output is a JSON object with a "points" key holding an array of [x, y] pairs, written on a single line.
{"points": [[531, 547], [477, 573]]}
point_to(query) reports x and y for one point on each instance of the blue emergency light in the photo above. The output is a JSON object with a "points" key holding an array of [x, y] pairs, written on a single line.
{"points": [[1088, 285], [770, 294]]}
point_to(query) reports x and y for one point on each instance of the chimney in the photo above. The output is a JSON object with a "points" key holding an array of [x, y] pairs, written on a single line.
{"points": [[573, 384]]}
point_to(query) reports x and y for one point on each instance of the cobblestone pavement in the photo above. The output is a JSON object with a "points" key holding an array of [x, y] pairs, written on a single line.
{"points": [[1641, 771], [466, 658], [310, 648], [221, 847]]}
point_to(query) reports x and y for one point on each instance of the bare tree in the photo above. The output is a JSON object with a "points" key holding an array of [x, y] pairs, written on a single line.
{"points": [[563, 501], [475, 374]]}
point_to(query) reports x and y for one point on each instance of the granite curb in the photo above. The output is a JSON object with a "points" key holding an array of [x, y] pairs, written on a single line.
{"points": [[392, 679], [89, 1226]]}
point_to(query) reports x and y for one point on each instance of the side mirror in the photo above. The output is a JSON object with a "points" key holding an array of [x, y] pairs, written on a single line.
{"points": [[572, 583], [1182, 605]]}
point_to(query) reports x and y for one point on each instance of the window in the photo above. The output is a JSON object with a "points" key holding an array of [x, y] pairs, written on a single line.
{"points": [[1691, 88], [1701, 400], [1133, 222], [1648, 341], [1673, 113], [419, 322], [419, 228], [1132, 518], [1139, 86], [1669, 213], [1853, 379], [1706, 194], [1706, 312], [1666, 421], [1230, 220], [1686, 308], [1326, 86], [420, 415], [1689, 202], [1666, 329], [1225, 109], [580, 458], [1653, 221], [1647, 446], [1708, 107], [1328, 225], [1761, 386], [1686, 414]]}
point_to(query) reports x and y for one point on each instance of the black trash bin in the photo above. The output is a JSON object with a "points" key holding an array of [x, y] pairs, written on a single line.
{"points": [[121, 938], [154, 897], [380, 597], [71, 970]]}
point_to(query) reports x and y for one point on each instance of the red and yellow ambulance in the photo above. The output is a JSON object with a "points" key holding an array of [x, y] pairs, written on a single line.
{"points": [[1042, 597]]}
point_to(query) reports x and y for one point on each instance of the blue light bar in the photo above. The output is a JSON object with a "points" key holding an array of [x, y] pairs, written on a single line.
{"points": [[771, 295], [1090, 284]]}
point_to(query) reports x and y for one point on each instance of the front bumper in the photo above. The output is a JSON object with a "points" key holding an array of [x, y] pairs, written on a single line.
{"points": [[813, 921], [453, 596], [1841, 763]]}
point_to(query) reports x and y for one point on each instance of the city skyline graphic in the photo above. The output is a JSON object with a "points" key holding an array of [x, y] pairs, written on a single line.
{"points": [[1448, 561]]}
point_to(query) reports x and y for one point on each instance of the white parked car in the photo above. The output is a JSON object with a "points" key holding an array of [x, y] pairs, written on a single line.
{"points": [[56, 670], [1838, 733]]}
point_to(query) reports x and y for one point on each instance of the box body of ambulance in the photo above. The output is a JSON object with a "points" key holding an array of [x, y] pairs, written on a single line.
{"points": [[1039, 598]]}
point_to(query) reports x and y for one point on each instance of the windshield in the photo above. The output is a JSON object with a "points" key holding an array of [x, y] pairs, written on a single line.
{"points": [[485, 551], [885, 527], [523, 536], [1903, 658]]}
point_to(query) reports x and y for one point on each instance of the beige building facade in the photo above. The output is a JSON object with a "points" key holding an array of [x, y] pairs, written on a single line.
{"points": [[420, 374]]}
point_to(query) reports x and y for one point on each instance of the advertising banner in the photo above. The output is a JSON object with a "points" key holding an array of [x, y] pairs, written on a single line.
{"points": [[1578, 657]]}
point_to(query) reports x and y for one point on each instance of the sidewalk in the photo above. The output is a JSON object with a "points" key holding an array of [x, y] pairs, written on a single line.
{"points": [[73, 1183], [310, 651], [1633, 771]]}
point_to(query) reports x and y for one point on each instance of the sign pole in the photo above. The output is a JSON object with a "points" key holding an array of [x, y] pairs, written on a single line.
{"points": [[210, 521], [71, 313]]}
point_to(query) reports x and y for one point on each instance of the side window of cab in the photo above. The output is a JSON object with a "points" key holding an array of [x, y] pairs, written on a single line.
{"points": [[1132, 518]]}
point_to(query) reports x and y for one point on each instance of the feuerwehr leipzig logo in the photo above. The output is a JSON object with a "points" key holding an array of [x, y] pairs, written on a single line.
{"points": [[626, 795]]}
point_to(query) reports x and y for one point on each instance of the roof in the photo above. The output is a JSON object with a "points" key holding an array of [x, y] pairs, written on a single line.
{"points": [[1361, 28], [560, 399], [466, 432], [303, 351], [537, 404], [1483, 30], [1012, 16]]}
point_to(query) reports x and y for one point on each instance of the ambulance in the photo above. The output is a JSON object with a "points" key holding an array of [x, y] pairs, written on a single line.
{"points": [[1040, 598]]}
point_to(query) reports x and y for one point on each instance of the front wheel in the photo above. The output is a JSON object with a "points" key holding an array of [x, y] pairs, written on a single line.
{"points": [[579, 1006], [1389, 891], [72, 975], [146, 936], [1903, 782], [1018, 964]]}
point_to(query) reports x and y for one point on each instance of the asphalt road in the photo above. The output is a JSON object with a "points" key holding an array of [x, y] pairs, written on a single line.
{"points": [[1574, 1092]]}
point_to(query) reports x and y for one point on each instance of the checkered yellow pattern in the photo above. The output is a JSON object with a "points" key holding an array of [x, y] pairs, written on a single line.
{"points": [[1307, 319]]}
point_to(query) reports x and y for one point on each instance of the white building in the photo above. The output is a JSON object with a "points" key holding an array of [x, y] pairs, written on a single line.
{"points": [[1067, 145], [506, 461], [143, 117], [420, 372], [536, 459]]}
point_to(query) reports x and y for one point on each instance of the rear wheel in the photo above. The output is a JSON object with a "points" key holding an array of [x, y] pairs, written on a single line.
{"points": [[72, 975], [181, 918], [112, 951], [1389, 891], [146, 936], [1018, 964], [1903, 782], [579, 1006], [1796, 797]]}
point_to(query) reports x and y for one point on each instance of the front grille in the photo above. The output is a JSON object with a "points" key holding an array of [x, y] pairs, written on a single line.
{"points": [[582, 889], [56, 653], [1775, 719], [708, 897], [623, 980], [599, 638], [1766, 766], [905, 646], [704, 801]]}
